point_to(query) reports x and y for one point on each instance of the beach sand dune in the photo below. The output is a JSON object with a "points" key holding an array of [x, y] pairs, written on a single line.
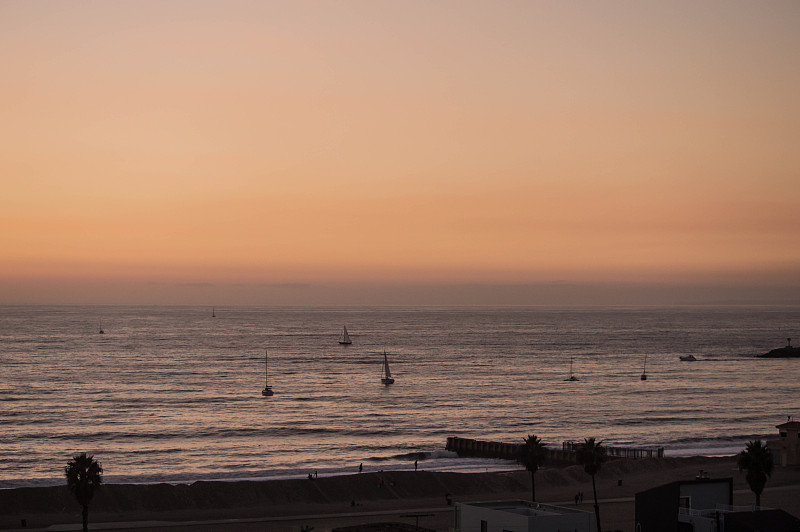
{"points": [[391, 496]]}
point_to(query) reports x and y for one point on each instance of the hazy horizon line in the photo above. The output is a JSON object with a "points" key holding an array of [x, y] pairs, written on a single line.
{"points": [[351, 294]]}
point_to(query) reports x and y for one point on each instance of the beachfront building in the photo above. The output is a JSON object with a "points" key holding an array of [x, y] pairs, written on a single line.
{"points": [[786, 449], [520, 516], [704, 505]]}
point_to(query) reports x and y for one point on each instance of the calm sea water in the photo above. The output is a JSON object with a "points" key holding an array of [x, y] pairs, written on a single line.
{"points": [[173, 394]]}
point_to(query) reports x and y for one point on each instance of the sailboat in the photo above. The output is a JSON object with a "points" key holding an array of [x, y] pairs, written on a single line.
{"points": [[345, 338], [644, 369], [213, 314], [101, 327], [386, 375], [267, 391], [571, 376]]}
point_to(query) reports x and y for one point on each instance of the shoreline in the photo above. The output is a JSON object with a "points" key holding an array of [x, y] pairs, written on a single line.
{"points": [[480, 465], [326, 502]]}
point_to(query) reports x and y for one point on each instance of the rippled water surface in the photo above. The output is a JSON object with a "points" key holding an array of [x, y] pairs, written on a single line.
{"points": [[174, 394]]}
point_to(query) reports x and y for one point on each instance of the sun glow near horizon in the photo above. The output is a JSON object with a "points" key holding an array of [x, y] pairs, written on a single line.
{"points": [[418, 143]]}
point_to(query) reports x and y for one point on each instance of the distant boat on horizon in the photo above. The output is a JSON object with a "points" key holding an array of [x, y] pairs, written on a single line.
{"points": [[213, 313], [267, 391], [345, 338], [688, 358], [644, 369], [101, 327], [571, 376], [386, 375]]}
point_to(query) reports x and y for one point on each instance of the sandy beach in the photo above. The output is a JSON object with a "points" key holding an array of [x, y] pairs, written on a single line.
{"points": [[390, 496]]}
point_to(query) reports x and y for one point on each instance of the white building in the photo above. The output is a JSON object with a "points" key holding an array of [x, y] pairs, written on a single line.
{"points": [[786, 448], [520, 516]]}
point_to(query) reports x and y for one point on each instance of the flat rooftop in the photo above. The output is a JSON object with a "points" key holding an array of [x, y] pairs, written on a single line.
{"points": [[525, 508]]}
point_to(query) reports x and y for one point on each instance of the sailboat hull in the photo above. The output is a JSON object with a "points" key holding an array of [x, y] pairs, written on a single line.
{"points": [[267, 392], [387, 381]]}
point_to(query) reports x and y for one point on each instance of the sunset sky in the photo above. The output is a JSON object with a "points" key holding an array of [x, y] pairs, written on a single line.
{"points": [[407, 152]]}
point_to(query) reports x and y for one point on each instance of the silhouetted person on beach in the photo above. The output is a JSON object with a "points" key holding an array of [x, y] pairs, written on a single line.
{"points": [[415, 465], [360, 467]]}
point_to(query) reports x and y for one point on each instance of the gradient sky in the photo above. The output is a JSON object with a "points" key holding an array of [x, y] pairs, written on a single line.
{"points": [[296, 152]]}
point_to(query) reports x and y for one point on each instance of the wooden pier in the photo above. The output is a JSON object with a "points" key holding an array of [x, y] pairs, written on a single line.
{"points": [[620, 452], [468, 447]]}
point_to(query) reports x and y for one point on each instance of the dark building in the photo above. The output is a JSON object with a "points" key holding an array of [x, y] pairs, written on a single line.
{"points": [[666, 508], [705, 505]]}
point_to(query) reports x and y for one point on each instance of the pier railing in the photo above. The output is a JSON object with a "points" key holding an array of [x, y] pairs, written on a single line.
{"points": [[567, 453], [620, 452]]}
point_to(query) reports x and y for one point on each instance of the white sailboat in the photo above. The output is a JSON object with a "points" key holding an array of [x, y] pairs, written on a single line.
{"points": [[267, 391], [386, 375], [644, 369], [571, 376], [345, 338]]}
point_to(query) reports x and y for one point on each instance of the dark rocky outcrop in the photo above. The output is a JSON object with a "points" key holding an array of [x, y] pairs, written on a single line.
{"points": [[783, 352]]}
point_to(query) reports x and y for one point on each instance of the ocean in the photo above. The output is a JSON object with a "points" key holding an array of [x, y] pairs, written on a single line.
{"points": [[172, 394]]}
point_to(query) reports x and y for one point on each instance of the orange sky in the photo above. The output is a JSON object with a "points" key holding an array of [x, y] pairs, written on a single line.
{"points": [[394, 144]]}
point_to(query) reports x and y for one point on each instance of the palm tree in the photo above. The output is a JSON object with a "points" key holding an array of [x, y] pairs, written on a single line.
{"points": [[757, 460], [84, 476], [591, 455], [532, 455]]}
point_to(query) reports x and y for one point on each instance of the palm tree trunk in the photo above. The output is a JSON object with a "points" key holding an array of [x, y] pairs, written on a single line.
{"points": [[596, 506], [85, 518], [533, 488], [758, 500]]}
